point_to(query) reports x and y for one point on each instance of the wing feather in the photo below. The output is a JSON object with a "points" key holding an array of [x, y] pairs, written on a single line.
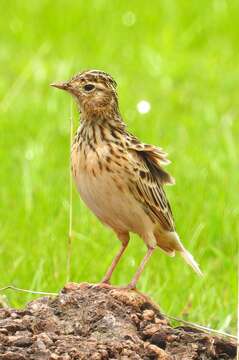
{"points": [[154, 155], [149, 178]]}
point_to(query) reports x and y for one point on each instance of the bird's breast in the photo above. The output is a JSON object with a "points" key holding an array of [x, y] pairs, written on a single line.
{"points": [[94, 179], [102, 184]]}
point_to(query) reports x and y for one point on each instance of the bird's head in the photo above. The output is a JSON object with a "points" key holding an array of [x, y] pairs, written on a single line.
{"points": [[94, 91]]}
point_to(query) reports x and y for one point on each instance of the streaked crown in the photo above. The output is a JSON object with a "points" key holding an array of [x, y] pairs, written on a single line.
{"points": [[95, 76]]}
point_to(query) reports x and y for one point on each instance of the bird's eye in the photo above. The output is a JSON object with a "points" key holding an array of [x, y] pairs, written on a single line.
{"points": [[89, 87]]}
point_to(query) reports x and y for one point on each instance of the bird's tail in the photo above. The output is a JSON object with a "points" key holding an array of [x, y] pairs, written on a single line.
{"points": [[170, 242], [190, 261]]}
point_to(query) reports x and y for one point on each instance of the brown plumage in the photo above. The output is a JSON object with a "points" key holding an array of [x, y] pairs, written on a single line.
{"points": [[118, 177]]}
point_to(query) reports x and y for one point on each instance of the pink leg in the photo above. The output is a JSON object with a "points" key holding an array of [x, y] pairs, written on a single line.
{"points": [[125, 238], [132, 284]]}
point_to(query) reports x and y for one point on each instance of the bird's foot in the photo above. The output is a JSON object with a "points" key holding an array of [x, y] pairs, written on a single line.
{"points": [[127, 287], [102, 284], [105, 280]]}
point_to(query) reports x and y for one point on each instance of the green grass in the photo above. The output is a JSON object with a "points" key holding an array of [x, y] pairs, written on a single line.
{"points": [[180, 56]]}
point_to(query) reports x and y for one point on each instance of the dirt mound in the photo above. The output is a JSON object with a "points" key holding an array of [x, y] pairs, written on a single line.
{"points": [[95, 322]]}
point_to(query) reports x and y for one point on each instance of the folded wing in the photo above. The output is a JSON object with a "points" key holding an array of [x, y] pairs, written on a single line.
{"points": [[149, 178]]}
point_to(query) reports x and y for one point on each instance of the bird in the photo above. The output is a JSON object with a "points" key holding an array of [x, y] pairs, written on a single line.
{"points": [[119, 178]]}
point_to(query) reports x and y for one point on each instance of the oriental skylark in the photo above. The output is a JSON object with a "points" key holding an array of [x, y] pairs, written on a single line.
{"points": [[118, 177]]}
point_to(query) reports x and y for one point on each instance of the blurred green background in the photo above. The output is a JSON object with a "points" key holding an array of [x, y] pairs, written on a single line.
{"points": [[182, 58]]}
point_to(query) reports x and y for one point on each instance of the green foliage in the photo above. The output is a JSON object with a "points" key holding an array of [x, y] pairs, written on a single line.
{"points": [[181, 57]]}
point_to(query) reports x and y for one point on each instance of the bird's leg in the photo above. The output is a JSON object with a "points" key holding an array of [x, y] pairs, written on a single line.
{"points": [[132, 284], [124, 238]]}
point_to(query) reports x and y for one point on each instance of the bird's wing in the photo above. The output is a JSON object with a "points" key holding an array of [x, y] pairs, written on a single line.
{"points": [[154, 156], [148, 178]]}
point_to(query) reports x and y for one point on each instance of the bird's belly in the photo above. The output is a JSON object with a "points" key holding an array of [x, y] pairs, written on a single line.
{"points": [[111, 201]]}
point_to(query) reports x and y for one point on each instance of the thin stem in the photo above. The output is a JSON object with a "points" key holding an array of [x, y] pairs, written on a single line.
{"points": [[69, 241], [11, 287], [200, 327]]}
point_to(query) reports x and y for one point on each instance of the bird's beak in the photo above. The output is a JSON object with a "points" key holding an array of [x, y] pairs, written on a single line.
{"points": [[62, 86]]}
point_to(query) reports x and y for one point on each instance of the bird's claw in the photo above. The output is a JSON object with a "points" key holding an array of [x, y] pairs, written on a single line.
{"points": [[101, 285]]}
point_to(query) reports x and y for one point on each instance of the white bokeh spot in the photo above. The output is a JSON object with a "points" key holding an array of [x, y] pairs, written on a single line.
{"points": [[129, 18], [143, 106]]}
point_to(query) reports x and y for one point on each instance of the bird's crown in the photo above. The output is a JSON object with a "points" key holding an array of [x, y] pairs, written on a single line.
{"points": [[96, 76]]}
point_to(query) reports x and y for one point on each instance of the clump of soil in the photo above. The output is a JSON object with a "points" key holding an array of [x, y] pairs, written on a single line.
{"points": [[96, 322]]}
